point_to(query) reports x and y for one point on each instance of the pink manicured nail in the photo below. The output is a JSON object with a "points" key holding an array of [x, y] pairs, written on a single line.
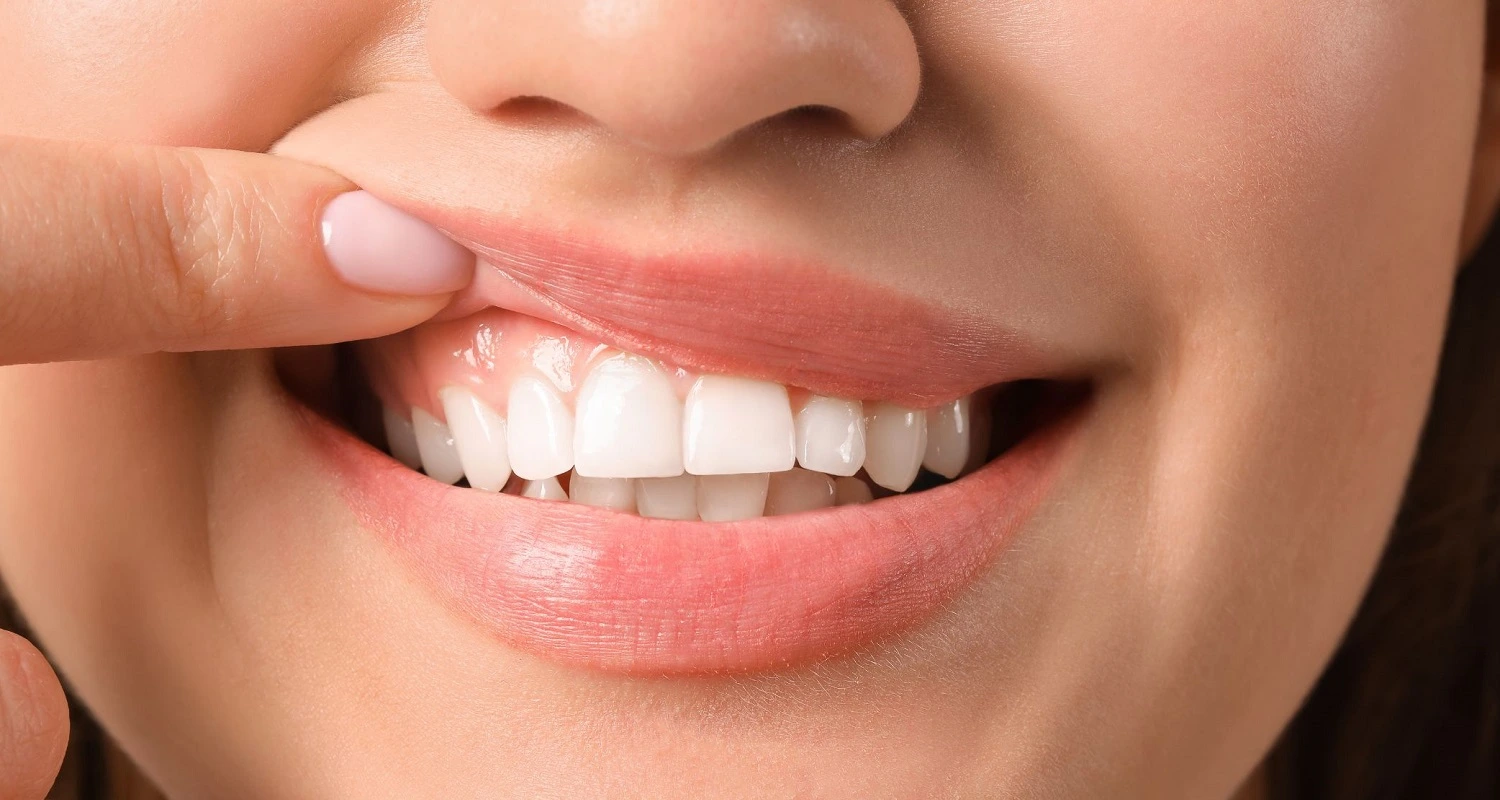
{"points": [[375, 246]]}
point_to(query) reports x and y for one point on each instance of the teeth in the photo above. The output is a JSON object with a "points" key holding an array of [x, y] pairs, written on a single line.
{"points": [[725, 498], [544, 489], [629, 422], [831, 436], [896, 440], [401, 438], [541, 430], [851, 492], [479, 436], [667, 498], [949, 429], [435, 444], [798, 490], [737, 425], [615, 493]]}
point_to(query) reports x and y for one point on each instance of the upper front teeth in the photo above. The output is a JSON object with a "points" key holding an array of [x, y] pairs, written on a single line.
{"points": [[541, 435], [436, 446], [629, 422], [732, 448], [737, 425], [897, 441], [479, 436], [831, 435]]}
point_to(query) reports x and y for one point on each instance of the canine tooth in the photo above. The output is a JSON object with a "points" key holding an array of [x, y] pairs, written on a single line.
{"points": [[629, 422], [615, 493], [798, 490], [541, 430], [435, 443], [732, 426], [544, 489], [667, 498], [895, 441], [725, 498], [401, 438], [949, 428], [831, 435], [479, 436], [851, 492]]}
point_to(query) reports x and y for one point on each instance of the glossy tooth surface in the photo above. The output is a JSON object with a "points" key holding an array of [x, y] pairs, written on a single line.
{"points": [[615, 493], [798, 490], [479, 435], [628, 422], [725, 498], [401, 438], [949, 429], [895, 441], [851, 492], [544, 489], [435, 443], [541, 430], [667, 498], [732, 426], [831, 435]]}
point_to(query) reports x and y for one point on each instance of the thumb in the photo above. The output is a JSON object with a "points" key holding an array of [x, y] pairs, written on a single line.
{"points": [[33, 721], [112, 250]]}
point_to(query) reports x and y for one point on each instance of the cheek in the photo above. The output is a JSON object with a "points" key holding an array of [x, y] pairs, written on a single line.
{"points": [[172, 71], [1229, 149], [1288, 153]]}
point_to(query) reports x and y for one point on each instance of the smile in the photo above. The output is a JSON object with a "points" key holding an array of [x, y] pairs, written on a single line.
{"points": [[616, 478]]}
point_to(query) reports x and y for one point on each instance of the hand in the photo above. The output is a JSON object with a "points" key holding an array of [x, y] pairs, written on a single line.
{"points": [[112, 251]]}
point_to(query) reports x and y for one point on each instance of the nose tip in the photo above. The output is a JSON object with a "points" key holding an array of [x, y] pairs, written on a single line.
{"points": [[681, 76]]}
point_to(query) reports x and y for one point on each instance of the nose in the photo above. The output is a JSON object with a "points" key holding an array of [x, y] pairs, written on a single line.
{"points": [[680, 76]]}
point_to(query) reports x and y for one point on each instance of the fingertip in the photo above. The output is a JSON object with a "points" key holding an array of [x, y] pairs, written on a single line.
{"points": [[377, 247], [33, 719]]}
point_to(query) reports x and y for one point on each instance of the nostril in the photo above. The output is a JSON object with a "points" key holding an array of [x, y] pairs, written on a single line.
{"points": [[820, 117], [690, 75], [816, 112], [536, 111], [807, 123]]}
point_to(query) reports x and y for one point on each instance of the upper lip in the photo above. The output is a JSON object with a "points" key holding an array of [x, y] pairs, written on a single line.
{"points": [[762, 315]]}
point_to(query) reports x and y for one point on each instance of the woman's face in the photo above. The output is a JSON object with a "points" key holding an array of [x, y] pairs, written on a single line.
{"points": [[1236, 222]]}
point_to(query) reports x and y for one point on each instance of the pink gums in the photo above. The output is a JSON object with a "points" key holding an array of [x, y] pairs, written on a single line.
{"points": [[484, 353]]}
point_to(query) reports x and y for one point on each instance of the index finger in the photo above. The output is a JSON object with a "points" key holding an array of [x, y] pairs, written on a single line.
{"points": [[110, 250]]}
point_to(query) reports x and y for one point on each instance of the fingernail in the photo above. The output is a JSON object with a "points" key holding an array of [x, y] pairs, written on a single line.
{"points": [[377, 247]]}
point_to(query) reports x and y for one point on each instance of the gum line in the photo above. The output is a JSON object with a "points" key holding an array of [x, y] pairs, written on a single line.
{"points": [[733, 428]]}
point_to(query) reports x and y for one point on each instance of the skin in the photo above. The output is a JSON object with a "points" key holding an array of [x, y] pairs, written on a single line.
{"points": [[1246, 216]]}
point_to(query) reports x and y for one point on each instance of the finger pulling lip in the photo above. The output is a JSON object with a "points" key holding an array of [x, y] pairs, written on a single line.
{"points": [[619, 593]]}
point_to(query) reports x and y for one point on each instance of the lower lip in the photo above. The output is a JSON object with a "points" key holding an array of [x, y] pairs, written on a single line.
{"points": [[619, 593]]}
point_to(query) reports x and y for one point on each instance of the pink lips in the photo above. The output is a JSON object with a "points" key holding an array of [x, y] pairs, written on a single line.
{"points": [[760, 316], [621, 593]]}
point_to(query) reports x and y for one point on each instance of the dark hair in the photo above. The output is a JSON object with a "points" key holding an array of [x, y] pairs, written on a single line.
{"points": [[1410, 705]]}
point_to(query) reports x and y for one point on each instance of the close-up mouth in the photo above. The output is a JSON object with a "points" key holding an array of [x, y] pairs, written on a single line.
{"points": [[611, 398], [636, 503]]}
